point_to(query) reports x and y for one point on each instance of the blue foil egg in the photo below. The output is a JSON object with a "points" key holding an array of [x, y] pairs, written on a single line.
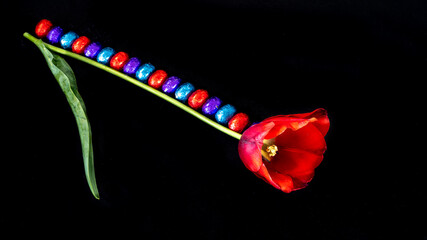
{"points": [[211, 106], [184, 91], [54, 35], [225, 113], [171, 84], [144, 72], [131, 66], [92, 50], [105, 55], [68, 39]]}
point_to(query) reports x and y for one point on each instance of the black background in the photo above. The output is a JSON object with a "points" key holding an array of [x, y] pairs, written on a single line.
{"points": [[162, 174]]}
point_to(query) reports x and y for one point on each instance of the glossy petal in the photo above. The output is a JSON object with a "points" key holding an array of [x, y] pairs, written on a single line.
{"points": [[301, 180], [284, 181], [284, 122], [307, 138], [264, 174], [250, 145], [318, 117], [295, 161]]}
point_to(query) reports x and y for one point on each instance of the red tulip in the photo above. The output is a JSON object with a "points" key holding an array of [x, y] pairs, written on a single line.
{"points": [[284, 150]]}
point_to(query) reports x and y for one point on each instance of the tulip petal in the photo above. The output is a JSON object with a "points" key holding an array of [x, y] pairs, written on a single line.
{"points": [[250, 145], [300, 151], [284, 181], [264, 174], [308, 138], [301, 180], [283, 123], [277, 130], [321, 116], [294, 161], [250, 155], [318, 118], [322, 122]]}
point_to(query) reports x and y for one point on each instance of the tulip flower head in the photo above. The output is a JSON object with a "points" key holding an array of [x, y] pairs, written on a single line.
{"points": [[284, 150]]}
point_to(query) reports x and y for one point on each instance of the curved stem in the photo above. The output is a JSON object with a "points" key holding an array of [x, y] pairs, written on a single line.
{"points": [[139, 84]]}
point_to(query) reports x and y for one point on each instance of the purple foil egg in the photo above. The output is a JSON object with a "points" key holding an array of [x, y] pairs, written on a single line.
{"points": [[92, 50], [54, 35], [131, 66], [211, 106], [171, 84]]}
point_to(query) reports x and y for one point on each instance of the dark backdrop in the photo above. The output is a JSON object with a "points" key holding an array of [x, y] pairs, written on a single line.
{"points": [[162, 174]]}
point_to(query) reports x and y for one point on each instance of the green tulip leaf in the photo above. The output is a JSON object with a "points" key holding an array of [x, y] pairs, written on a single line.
{"points": [[67, 81]]}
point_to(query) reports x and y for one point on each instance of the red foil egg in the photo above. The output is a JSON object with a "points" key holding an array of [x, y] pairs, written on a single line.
{"points": [[157, 79], [80, 44], [119, 60], [198, 98], [43, 27], [238, 122]]}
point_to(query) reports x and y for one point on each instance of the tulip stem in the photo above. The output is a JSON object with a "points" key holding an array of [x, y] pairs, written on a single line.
{"points": [[141, 85]]}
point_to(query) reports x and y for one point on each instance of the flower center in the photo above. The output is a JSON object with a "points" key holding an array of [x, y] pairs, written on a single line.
{"points": [[269, 150], [272, 150]]}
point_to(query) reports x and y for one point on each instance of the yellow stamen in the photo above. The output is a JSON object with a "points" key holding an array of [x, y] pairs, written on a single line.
{"points": [[272, 150], [269, 150]]}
